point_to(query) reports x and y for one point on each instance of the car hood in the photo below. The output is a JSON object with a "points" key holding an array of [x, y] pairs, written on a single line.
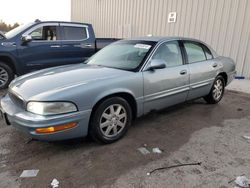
{"points": [[2, 36], [58, 79]]}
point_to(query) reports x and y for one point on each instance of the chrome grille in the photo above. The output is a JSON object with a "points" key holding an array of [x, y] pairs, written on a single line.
{"points": [[17, 100]]}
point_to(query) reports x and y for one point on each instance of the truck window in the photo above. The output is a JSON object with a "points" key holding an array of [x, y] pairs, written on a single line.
{"points": [[75, 33], [44, 33], [17, 30]]}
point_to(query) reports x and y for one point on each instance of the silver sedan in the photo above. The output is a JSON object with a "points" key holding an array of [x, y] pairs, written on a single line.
{"points": [[123, 81]]}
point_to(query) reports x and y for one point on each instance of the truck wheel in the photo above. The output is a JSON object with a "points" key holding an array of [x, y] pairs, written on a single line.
{"points": [[6, 75], [110, 120], [217, 91]]}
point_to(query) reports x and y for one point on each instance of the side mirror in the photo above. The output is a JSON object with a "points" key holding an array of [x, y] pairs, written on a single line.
{"points": [[26, 38], [156, 64]]}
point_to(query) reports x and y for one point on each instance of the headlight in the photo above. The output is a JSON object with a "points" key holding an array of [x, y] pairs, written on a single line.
{"points": [[51, 108]]}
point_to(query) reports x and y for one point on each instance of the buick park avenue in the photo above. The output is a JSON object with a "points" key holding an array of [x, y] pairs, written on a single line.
{"points": [[123, 81]]}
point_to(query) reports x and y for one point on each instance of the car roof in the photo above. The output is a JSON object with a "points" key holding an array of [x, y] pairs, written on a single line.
{"points": [[155, 38], [38, 22], [164, 38], [167, 38]]}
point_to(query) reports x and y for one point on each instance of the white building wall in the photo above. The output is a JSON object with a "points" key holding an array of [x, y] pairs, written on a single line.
{"points": [[223, 24]]}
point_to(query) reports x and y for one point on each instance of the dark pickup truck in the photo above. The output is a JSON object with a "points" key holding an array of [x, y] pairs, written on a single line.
{"points": [[39, 45]]}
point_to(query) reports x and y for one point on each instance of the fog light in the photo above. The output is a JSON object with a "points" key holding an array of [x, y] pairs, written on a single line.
{"points": [[56, 128]]}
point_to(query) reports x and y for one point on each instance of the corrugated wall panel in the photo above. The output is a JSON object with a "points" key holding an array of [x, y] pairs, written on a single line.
{"points": [[223, 24], [246, 69], [181, 16], [240, 55]]}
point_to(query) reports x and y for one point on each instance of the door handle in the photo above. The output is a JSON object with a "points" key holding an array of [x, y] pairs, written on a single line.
{"points": [[88, 45], [215, 65], [183, 72], [55, 46], [64, 46]]}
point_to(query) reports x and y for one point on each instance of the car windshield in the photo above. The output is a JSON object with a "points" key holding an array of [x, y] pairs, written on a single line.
{"points": [[125, 55], [17, 30]]}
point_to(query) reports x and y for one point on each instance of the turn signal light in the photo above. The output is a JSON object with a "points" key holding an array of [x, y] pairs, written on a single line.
{"points": [[56, 128]]}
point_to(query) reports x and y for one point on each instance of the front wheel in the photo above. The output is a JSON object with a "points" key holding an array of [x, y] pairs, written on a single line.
{"points": [[110, 120], [217, 91], [6, 75]]}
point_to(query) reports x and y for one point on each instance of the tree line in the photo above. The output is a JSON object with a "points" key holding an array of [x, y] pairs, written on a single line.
{"points": [[7, 27]]}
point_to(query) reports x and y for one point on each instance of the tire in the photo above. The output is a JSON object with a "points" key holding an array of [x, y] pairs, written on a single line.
{"points": [[6, 75], [217, 91], [106, 126]]}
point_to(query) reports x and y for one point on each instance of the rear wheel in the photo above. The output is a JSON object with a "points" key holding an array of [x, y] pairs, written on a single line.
{"points": [[217, 91], [6, 75], [110, 120]]}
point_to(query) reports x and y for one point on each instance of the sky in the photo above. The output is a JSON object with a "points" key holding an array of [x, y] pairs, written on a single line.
{"points": [[24, 11]]}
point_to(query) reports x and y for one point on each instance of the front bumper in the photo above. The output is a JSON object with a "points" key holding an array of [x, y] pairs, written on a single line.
{"points": [[27, 122]]}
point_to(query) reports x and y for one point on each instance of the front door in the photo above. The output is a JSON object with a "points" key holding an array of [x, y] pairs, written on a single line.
{"points": [[43, 50], [168, 86]]}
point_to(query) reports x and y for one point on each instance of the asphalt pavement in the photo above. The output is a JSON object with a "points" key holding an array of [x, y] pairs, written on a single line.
{"points": [[187, 133]]}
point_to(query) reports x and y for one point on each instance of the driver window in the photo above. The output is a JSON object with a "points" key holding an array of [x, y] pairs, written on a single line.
{"points": [[169, 52], [45, 33]]}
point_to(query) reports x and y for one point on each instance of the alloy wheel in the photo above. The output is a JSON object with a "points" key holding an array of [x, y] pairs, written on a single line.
{"points": [[3, 76], [218, 89], [113, 120]]}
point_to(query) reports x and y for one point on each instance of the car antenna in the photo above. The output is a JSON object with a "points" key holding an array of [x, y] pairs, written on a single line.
{"points": [[37, 20]]}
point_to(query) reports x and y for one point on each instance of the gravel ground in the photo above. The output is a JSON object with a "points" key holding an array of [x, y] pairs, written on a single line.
{"points": [[190, 132]]}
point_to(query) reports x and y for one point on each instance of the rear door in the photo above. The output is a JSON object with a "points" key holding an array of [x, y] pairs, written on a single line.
{"points": [[168, 86], [77, 45], [43, 50], [203, 69]]}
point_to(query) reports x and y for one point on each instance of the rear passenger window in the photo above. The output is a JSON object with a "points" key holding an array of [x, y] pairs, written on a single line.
{"points": [[74, 33], [207, 52], [195, 52]]}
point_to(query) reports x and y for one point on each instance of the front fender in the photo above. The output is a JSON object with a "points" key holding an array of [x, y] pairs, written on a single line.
{"points": [[113, 92], [138, 100], [9, 58]]}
